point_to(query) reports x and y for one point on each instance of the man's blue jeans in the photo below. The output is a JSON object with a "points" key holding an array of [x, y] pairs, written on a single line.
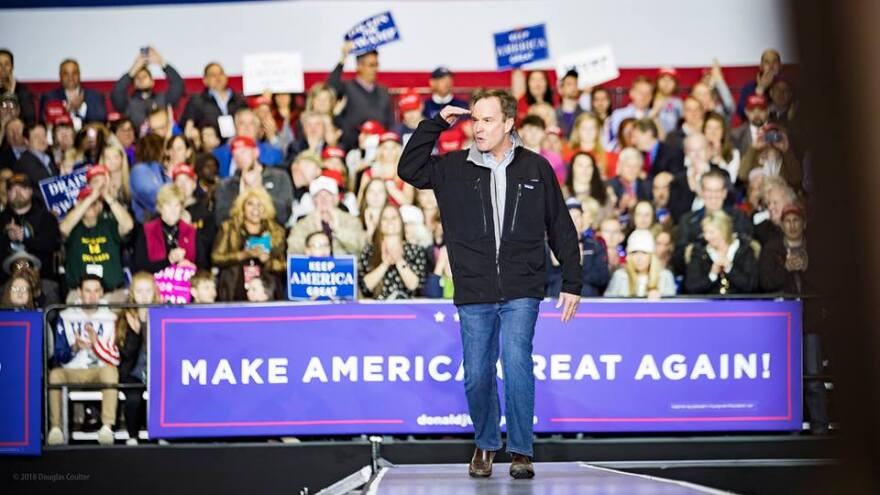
{"points": [[481, 325]]}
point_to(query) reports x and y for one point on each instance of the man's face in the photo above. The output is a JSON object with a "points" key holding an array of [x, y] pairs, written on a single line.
{"points": [[757, 115], [696, 150], [569, 88], [442, 86], [660, 189], [776, 199], [15, 133], [5, 68], [324, 201], [640, 95], [246, 124], [793, 226], [643, 140], [244, 157], [91, 292], [714, 193], [20, 196], [367, 67], [69, 75], [490, 126], [611, 231], [215, 78], [780, 93], [143, 80], [158, 123], [770, 61], [628, 167], [37, 139]]}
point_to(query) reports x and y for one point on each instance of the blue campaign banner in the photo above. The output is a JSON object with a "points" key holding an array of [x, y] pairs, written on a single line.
{"points": [[321, 369], [21, 367], [60, 193], [521, 46], [372, 33], [321, 279]]}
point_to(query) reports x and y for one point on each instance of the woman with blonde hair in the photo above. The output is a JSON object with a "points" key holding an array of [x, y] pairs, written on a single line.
{"points": [[131, 338], [724, 264], [115, 159], [249, 243], [166, 240], [643, 275], [586, 136]]}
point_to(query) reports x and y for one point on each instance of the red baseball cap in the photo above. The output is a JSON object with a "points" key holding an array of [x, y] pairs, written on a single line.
{"points": [[63, 120], [333, 152], [255, 101], [114, 116], [372, 127], [182, 168], [667, 71], [84, 193], [335, 175], [756, 101], [390, 136], [241, 142], [55, 109], [409, 100], [95, 170], [450, 140], [793, 209]]}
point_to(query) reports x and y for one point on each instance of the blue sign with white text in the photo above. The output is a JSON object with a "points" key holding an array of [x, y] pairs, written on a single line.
{"points": [[371, 33], [321, 279], [60, 192], [521, 46], [21, 368]]}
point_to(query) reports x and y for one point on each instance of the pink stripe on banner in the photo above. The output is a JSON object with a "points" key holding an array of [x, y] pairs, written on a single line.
{"points": [[290, 318], [743, 314], [289, 423], [667, 420]]}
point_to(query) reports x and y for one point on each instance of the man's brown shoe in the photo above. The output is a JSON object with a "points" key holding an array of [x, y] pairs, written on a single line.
{"points": [[481, 463], [521, 467]]}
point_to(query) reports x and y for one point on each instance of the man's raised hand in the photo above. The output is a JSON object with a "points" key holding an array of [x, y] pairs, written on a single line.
{"points": [[451, 113]]}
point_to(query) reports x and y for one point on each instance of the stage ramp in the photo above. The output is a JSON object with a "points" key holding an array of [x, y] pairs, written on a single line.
{"points": [[552, 478]]}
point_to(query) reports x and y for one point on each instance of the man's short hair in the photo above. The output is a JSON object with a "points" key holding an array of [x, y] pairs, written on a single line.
{"points": [[5, 51], [641, 79], [91, 276], [211, 64], [571, 73], [533, 120], [68, 61], [715, 173], [28, 129], [507, 101], [646, 125], [361, 56], [313, 234]]}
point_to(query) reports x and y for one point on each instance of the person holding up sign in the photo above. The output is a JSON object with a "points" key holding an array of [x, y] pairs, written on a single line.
{"points": [[366, 99], [498, 203]]}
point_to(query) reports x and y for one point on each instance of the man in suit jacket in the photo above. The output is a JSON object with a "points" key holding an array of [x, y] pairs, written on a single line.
{"points": [[659, 157], [216, 101], [627, 185], [8, 85], [36, 163], [83, 104], [757, 113]]}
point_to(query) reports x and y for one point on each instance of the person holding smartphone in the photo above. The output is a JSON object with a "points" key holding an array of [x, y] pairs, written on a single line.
{"points": [[144, 99]]}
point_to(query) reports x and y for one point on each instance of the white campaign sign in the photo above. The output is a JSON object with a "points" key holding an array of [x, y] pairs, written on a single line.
{"points": [[273, 72], [594, 66]]}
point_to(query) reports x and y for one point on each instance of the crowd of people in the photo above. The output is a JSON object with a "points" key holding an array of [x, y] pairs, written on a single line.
{"points": [[677, 192]]}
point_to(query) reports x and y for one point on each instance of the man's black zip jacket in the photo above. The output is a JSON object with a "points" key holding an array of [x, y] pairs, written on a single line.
{"points": [[534, 213]]}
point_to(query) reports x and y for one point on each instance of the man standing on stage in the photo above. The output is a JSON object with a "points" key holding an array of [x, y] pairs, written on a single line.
{"points": [[499, 204]]}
